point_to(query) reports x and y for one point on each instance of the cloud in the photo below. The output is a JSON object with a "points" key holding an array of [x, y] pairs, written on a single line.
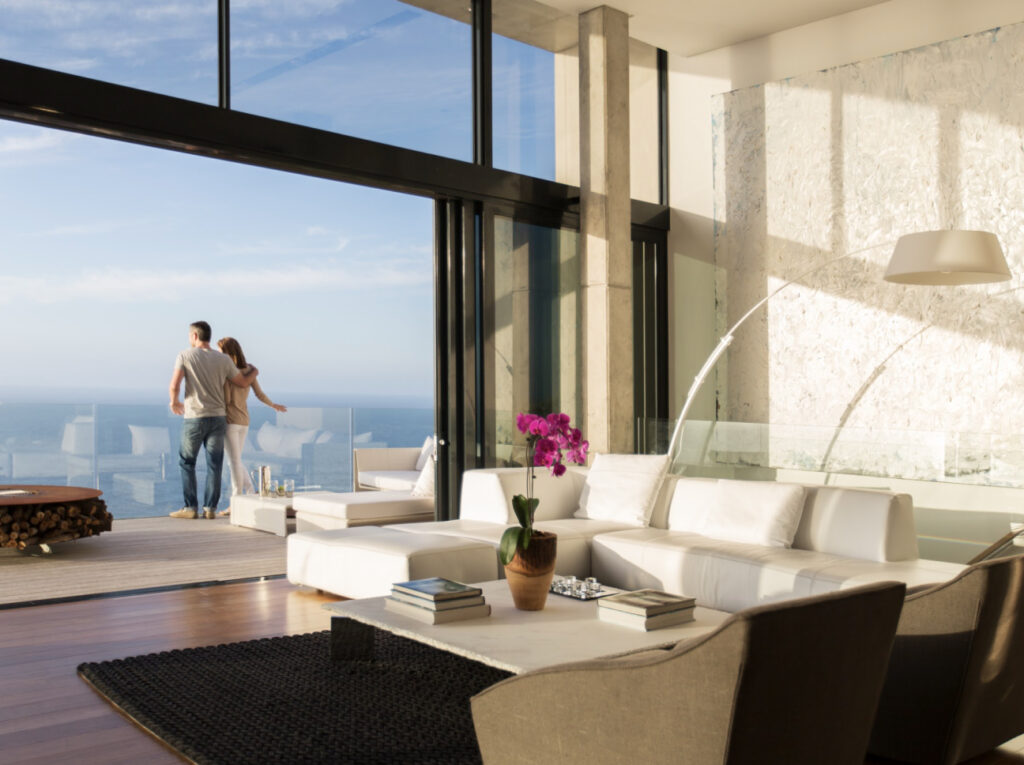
{"points": [[118, 285], [25, 148], [334, 245], [35, 141]]}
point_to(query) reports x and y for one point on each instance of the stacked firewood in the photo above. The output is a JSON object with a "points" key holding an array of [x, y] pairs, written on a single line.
{"points": [[27, 525]]}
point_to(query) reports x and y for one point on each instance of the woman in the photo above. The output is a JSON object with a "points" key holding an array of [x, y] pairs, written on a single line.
{"points": [[238, 418]]}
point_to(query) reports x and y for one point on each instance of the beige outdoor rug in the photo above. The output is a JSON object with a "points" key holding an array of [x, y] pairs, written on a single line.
{"points": [[141, 553]]}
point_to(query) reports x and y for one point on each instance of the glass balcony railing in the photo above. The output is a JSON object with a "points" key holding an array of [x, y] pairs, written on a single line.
{"points": [[985, 459], [130, 452]]}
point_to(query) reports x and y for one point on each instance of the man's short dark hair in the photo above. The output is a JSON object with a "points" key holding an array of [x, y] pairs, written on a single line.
{"points": [[202, 330]]}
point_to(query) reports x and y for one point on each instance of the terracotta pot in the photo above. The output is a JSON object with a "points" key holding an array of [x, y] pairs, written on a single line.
{"points": [[530, 572]]}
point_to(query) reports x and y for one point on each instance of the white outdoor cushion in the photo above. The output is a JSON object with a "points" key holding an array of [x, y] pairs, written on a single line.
{"points": [[360, 505], [426, 452], [622, 488], [425, 483], [692, 502], [392, 480], [149, 440], [756, 512]]}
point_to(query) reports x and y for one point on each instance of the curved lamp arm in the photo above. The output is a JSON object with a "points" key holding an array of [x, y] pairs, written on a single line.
{"points": [[947, 257], [727, 338]]}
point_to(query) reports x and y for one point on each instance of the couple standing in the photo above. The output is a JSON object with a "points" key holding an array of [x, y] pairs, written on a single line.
{"points": [[216, 415]]}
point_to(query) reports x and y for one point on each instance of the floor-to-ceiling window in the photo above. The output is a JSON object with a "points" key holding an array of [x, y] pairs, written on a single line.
{"points": [[110, 250], [532, 359], [384, 94], [377, 69]]}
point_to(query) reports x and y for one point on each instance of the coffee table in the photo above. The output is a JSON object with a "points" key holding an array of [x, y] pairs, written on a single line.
{"points": [[518, 641], [33, 516]]}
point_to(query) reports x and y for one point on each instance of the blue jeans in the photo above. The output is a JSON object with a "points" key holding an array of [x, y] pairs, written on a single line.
{"points": [[207, 432]]}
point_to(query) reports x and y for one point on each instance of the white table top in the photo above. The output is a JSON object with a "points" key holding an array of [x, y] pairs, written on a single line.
{"points": [[518, 641]]}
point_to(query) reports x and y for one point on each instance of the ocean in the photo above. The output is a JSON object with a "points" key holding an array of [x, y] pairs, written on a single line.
{"points": [[126, 444]]}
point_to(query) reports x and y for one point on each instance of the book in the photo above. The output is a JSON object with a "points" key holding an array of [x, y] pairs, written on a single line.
{"points": [[430, 616], [646, 602], [646, 623], [436, 588], [437, 605]]}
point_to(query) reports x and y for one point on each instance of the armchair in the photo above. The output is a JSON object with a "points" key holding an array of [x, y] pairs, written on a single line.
{"points": [[955, 686], [794, 682]]}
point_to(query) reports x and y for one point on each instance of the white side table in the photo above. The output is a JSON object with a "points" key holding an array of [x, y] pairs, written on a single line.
{"points": [[263, 513]]}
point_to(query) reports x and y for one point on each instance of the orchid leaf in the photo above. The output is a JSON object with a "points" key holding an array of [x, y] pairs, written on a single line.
{"points": [[524, 508], [510, 543]]}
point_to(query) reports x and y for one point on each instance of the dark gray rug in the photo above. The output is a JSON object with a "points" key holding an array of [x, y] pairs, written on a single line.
{"points": [[282, 700]]}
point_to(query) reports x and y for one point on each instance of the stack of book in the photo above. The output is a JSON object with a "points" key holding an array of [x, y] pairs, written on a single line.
{"points": [[437, 600], [646, 609]]}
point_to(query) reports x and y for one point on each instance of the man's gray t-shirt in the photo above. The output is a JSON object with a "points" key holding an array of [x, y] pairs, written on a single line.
{"points": [[206, 371]]}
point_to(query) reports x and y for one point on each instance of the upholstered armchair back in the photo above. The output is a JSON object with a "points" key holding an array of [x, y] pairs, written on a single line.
{"points": [[794, 682], [955, 686]]}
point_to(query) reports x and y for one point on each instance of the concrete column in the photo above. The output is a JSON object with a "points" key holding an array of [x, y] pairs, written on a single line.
{"points": [[605, 248]]}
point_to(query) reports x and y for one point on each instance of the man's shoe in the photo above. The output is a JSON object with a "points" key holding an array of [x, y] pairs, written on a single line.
{"points": [[185, 512], [210, 514]]}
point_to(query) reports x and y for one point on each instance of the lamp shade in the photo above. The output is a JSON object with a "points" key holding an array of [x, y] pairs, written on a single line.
{"points": [[947, 257]]}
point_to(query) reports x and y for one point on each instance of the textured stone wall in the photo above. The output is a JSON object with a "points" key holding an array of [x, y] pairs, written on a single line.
{"points": [[816, 166]]}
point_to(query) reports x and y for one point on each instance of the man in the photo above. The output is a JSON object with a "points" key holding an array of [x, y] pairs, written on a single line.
{"points": [[204, 371]]}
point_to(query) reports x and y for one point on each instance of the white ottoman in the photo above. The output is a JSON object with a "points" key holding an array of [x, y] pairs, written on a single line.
{"points": [[340, 510], [365, 561], [264, 513]]}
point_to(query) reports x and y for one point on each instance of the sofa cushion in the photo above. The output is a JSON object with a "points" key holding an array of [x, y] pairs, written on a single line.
{"points": [[487, 494], [692, 501], [622, 488], [755, 512], [481, 531], [573, 541], [731, 576], [858, 523]]}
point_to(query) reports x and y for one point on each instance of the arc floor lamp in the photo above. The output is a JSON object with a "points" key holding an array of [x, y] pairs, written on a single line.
{"points": [[951, 257]]}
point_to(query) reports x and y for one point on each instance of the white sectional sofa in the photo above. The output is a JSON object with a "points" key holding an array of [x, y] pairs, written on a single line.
{"points": [[700, 537]]}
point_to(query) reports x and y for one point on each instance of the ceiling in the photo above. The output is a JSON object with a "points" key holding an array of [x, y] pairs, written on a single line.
{"points": [[689, 27]]}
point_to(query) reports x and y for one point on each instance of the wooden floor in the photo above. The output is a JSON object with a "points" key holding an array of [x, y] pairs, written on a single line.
{"points": [[49, 715]]}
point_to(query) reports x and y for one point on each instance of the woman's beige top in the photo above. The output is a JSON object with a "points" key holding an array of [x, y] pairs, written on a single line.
{"points": [[234, 400]]}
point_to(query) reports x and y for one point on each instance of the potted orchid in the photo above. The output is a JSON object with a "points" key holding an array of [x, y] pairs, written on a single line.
{"points": [[529, 555]]}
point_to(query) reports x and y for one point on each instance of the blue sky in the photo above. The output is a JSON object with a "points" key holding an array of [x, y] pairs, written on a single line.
{"points": [[111, 249]]}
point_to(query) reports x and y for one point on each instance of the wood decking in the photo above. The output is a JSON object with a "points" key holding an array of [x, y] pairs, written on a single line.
{"points": [[142, 553]]}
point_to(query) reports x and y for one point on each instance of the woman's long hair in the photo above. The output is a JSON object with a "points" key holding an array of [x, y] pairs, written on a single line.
{"points": [[230, 347]]}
